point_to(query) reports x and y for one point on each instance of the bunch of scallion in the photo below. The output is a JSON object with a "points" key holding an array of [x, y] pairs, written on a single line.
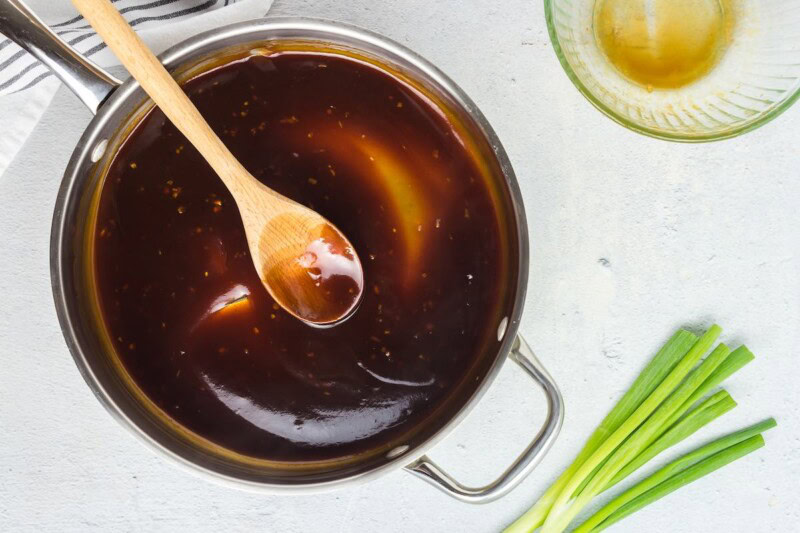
{"points": [[666, 404]]}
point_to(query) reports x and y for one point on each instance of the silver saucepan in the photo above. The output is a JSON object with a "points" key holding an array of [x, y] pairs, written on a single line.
{"points": [[116, 106]]}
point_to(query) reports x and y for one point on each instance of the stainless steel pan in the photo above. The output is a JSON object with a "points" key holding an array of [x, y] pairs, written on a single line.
{"points": [[116, 106]]}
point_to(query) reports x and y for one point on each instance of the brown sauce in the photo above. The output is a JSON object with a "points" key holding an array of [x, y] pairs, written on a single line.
{"points": [[188, 315]]}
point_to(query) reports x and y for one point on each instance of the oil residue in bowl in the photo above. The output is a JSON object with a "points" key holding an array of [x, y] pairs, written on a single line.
{"points": [[662, 44], [189, 317]]}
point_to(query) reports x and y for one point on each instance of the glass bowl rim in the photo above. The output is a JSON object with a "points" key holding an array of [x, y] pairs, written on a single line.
{"points": [[764, 118]]}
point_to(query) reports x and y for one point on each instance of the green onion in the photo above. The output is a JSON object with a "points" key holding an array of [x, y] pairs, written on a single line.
{"points": [[713, 407], [666, 404], [710, 409], [565, 507], [692, 473], [736, 360], [653, 374], [678, 473]]}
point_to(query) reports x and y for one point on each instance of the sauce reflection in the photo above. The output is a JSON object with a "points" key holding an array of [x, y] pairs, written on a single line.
{"points": [[317, 428]]}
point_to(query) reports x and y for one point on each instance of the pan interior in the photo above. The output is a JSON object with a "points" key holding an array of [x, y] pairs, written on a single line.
{"points": [[339, 402]]}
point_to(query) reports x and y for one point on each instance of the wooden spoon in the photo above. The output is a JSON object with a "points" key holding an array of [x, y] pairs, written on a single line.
{"points": [[307, 265]]}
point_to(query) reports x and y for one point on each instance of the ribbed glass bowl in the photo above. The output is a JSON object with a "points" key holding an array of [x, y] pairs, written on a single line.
{"points": [[757, 78]]}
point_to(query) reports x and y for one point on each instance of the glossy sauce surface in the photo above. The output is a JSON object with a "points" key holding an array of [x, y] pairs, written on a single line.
{"points": [[189, 316]]}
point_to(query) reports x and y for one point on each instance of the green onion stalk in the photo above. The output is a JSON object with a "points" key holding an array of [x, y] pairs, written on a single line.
{"points": [[666, 404]]}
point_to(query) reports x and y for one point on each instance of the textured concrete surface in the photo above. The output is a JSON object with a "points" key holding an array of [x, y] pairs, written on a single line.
{"points": [[631, 238]]}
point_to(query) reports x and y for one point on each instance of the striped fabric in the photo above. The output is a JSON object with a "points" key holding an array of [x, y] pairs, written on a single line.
{"points": [[20, 71]]}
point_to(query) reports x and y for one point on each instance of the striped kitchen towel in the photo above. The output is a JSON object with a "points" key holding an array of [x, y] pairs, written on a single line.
{"points": [[20, 71], [27, 87]]}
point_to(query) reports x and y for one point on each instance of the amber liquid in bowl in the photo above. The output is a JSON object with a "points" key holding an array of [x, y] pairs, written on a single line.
{"points": [[663, 44], [186, 311]]}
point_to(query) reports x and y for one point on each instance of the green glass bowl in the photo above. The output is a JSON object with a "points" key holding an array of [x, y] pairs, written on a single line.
{"points": [[757, 78]]}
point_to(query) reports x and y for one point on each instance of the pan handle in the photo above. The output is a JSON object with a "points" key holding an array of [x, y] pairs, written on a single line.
{"points": [[88, 81], [525, 463]]}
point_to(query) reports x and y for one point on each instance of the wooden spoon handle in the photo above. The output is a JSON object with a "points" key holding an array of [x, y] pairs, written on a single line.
{"points": [[165, 92]]}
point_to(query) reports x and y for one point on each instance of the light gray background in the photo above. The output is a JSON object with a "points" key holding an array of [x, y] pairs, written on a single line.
{"points": [[692, 234]]}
